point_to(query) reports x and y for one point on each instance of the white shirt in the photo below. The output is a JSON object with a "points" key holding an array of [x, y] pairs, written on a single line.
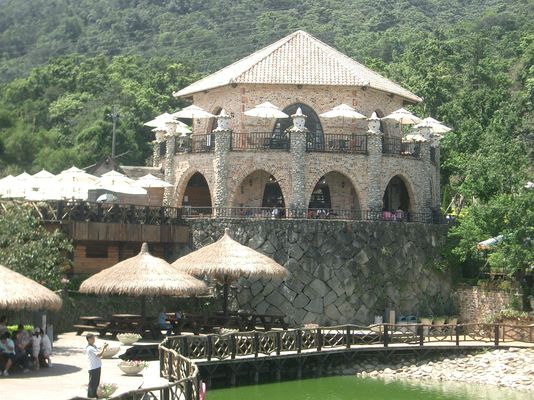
{"points": [[94, 361]]}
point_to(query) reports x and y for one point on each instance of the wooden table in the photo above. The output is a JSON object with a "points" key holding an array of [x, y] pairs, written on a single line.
{"points": [[198, 323], [266, 321], [124, 323], [91, 323]]}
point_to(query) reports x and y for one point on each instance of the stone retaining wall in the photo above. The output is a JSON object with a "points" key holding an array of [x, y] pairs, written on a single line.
{"points": [[340, 272], [477, 304]]}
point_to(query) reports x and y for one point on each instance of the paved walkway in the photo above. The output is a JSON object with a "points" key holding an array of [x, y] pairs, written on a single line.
{"points": [[68, 376]]}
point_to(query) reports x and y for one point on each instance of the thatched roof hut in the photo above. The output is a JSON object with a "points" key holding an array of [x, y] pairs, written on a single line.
{"points": [[18, 292], [143, 275], [227, 260]]}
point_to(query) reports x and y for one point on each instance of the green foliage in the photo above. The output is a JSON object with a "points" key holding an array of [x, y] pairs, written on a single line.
{"points": [[27, 247]]}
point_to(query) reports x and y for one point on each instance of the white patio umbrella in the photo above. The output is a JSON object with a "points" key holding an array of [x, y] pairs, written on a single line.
{"points": [[403, 117], [150, 181], [434, 125], [162, 119], [42, 186], [116, 182], [414, 138], [343, 111], [266, 110], [192, 112], [6, 183], [20, 185], [75, 183]]}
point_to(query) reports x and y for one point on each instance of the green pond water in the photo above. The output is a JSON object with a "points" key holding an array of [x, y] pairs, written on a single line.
{"points": [[350, 387]]}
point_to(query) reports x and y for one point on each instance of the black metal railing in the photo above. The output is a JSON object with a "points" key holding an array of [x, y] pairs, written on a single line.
{"points": [[338, 143], [259, 141], [195, 144], [65, 210], [393, 145]]}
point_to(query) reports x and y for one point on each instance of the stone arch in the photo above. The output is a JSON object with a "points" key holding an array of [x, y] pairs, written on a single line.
{"points": [[259, 188], [398, 193], [342, 191], [182, 182], [313, 122]]}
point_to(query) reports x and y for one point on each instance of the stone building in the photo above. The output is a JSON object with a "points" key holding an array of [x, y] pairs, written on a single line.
{"points": [[357, 169]]}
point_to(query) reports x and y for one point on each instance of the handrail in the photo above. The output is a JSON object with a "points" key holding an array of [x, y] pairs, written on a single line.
{"points": [[85, 211]]}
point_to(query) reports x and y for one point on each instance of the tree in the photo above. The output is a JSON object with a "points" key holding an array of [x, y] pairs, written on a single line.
{"points": [[26, 246]]}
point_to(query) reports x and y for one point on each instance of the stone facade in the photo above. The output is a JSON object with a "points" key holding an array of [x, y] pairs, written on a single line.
{"points": [[477, 304], [296, 171], [340, 272]]}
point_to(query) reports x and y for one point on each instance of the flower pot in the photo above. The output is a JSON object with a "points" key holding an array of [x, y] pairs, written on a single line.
{"points": [[110, 352], [128, 338], [439, 321], [105, 390], [452, 320], [129, 369]]}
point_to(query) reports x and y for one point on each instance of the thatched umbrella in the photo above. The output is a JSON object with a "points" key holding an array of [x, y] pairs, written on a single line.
{"points": [[21, 293], [227, 260], [141, 276]]}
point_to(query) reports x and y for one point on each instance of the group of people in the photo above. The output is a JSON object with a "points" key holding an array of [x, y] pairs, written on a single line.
{"points": [[23, 349]]}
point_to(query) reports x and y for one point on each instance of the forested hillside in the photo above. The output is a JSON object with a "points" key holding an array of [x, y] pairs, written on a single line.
{"points": [[64, 63]]}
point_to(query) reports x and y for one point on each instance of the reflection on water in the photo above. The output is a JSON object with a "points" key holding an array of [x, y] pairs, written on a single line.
{"points": [[350, 387]]}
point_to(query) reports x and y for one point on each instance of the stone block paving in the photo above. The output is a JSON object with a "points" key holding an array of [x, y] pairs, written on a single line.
{"points": [[68, 376]]}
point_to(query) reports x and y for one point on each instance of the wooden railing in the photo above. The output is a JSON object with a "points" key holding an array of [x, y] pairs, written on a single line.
{"points": [[274, 343]]}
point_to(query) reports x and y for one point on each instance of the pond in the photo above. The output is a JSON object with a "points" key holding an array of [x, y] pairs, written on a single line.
{"points": [[350, 387]]}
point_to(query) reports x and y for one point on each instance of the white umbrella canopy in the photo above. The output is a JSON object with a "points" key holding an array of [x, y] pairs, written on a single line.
{"points": [[22, 293], [116, 182], [160, 121], [42, 186], [414, 138], [75, 183], [343, 111], [150, 181], [266, 110], [5, 185], [21, 184], [403, 117], [191, 112], [434, 125]]}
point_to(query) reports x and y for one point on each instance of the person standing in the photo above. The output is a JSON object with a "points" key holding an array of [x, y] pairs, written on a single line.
{"points": [[94, 355]]}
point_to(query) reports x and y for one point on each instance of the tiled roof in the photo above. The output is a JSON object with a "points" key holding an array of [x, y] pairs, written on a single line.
{"points": [[298, 59]]}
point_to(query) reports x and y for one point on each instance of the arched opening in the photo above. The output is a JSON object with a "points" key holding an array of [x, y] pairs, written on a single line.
{"points": [[197, 194], [313, 124], [259, 189], [334, 195], [396, 202]]}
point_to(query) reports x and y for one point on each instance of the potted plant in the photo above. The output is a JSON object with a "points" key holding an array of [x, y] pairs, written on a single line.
{"points": [[440, 321], [110, 351], [132, 367], [128, 338], [105, 390]]}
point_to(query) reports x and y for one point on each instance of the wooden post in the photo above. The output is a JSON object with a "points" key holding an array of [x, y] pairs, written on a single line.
{"points": [[457, 333], [386, 335], [348, 338], [496, 330], [256, 344], [421, 333], [233, 346], [278, 339], [319, 339], [209, 347], [169, 361], [299, 341], [185, 347], [188, 390]]}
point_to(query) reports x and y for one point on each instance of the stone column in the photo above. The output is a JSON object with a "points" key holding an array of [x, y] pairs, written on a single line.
{"points": [[437, 172], [223, 141], [170, 149], [298, 134], [156, 153], [375, 191], [426, 173]]}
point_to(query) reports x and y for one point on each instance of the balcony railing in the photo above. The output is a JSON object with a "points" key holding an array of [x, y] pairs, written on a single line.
{"points": [[195, 144], [259, 141], [338, 143], [393, 145]]}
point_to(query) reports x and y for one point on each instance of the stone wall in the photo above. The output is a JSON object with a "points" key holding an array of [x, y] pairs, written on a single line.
{"points": [[340, 272], [478, 304]]}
